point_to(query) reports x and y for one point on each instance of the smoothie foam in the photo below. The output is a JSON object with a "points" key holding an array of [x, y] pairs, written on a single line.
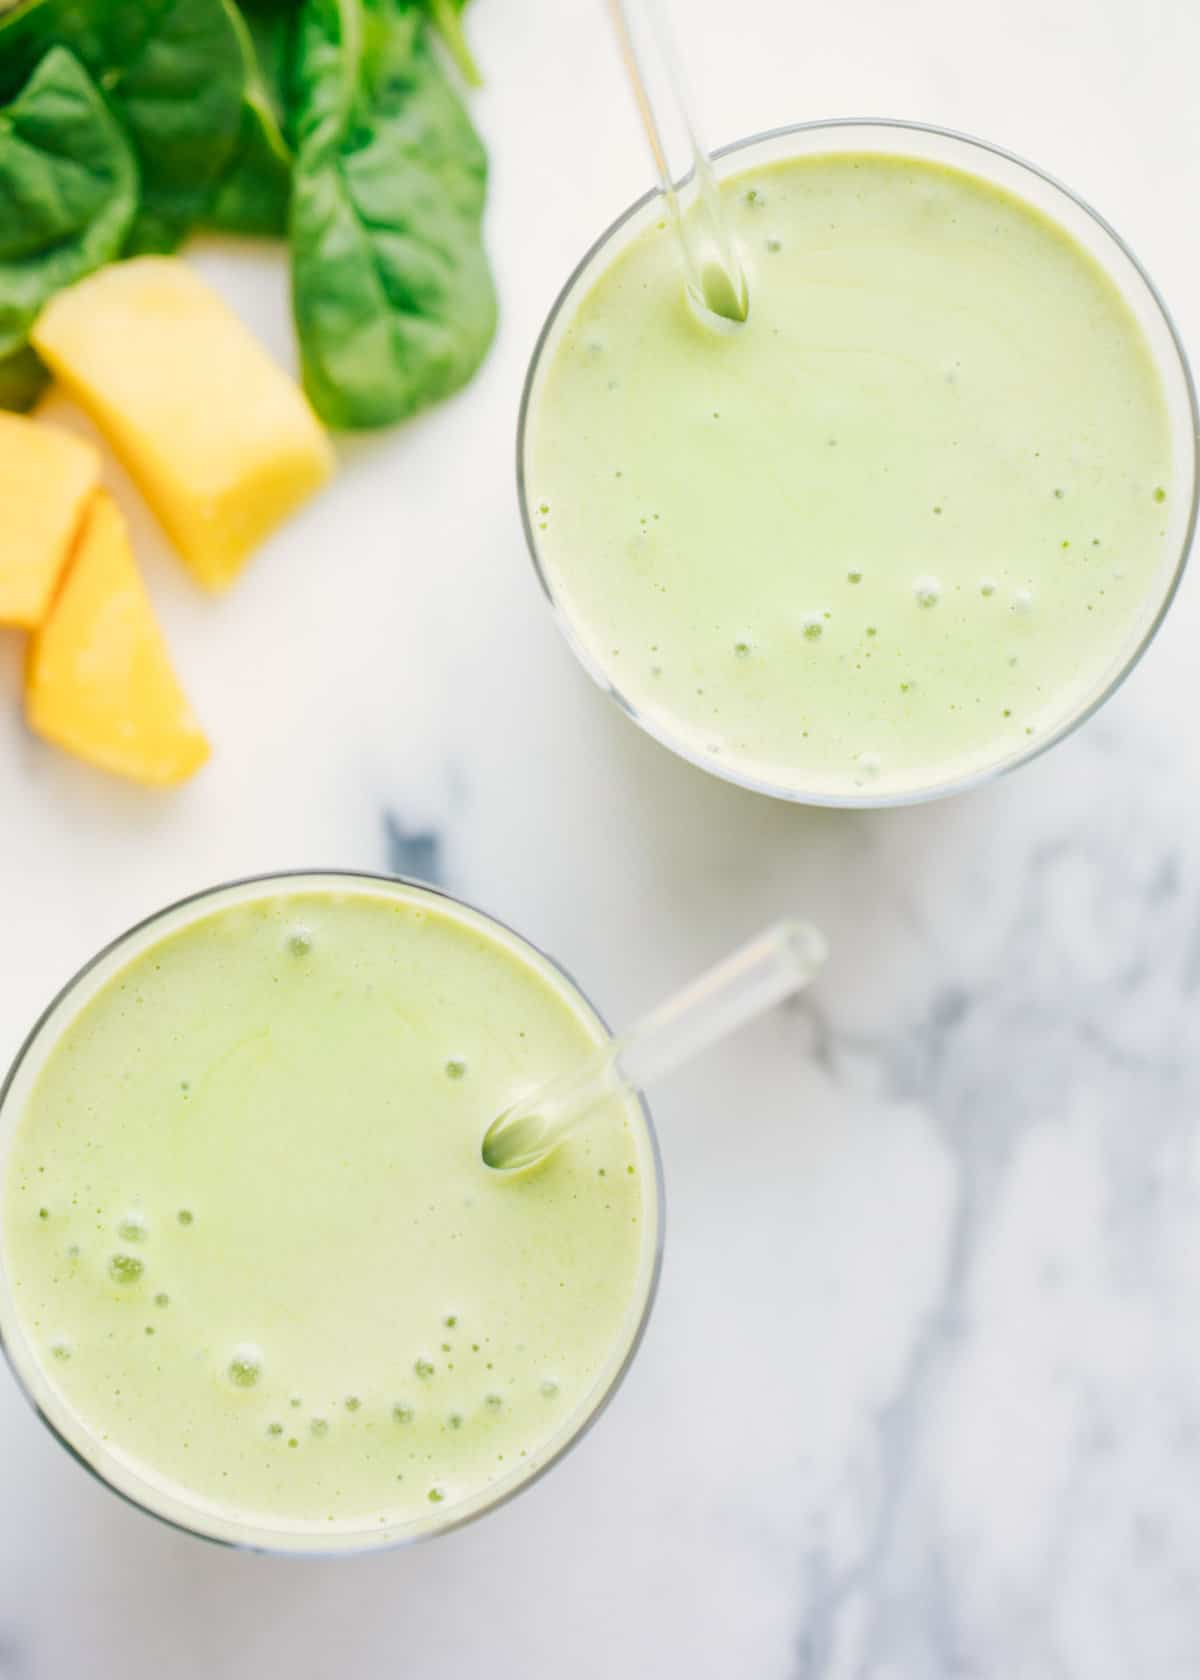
{"points": [[249, 1243], [892, 532]]}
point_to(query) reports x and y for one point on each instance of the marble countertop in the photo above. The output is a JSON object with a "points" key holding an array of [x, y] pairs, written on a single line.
{"points": [[921, 1395]]}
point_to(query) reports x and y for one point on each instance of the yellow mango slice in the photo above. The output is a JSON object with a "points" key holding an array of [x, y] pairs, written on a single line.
{"points": [[220, 440], [47, 478], [99, 681]]}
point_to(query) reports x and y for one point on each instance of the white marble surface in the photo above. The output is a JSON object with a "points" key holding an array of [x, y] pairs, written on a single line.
{"points": [[921, 1397]]}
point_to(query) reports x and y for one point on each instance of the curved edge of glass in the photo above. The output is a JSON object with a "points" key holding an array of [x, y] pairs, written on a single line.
{"points": [[246, 1537], [959, 784]]}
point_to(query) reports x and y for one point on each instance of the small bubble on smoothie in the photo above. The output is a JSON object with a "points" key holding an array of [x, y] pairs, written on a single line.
{"points": [[774, 246], [456, 1069], [869, 765], [319, 1427], [493, 1402], [988, 587], [125, 1268], [927, 591], [549, 1387], [813, 628], [742, 649], [300, 942], [352, 1402], [424, 1369], [162, 1299], [854, 576], [132, 1228], [60, 1349], [1022, 601], [245, 1366], [274, 1429], [185, 1216], [402, 1412]]}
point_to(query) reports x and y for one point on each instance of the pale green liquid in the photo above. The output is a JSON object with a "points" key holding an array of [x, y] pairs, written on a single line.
{"points": [[897, 528], [250, 1241]]}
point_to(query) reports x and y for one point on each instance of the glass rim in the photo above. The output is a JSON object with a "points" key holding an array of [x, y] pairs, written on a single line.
{"points": [[989, 772], [263, 1540]]}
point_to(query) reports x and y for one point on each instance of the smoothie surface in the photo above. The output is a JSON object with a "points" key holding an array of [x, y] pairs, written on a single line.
{"points": [[896, 529], [250, 1241]]}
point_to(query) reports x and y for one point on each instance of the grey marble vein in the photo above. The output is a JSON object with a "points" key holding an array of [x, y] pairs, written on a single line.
{"points": [[1037, 1045], [415, 853]]}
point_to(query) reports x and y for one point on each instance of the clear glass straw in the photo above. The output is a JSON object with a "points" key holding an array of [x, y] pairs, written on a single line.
{"points": [[754, 979], [711, 262]]}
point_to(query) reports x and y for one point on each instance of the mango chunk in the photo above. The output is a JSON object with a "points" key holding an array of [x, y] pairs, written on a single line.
{"points": [[99, 681], [221, 442], [47, 478]]}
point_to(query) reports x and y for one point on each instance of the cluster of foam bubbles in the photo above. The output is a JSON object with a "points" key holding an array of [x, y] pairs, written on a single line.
{"points": [[246, 1369], [245, 1366], [927, 591], [127, 1266], [133, 1228]]}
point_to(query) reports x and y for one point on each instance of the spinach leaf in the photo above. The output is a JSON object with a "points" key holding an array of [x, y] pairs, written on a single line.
{"points": [[173, 72], [446, 18], [68, 196], [253, 195], [393, 299], [22, 379]]}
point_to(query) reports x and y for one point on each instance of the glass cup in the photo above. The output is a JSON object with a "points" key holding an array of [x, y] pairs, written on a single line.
{"points": [[1024, 182], [118, 1470]]}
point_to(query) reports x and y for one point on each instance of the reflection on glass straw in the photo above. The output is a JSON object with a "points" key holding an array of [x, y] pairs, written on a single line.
{"points": [[752, 980], [711, 263]]}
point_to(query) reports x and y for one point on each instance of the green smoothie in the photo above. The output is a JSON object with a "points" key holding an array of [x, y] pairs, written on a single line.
{"points": [[898, 528], [256, 1271]]}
